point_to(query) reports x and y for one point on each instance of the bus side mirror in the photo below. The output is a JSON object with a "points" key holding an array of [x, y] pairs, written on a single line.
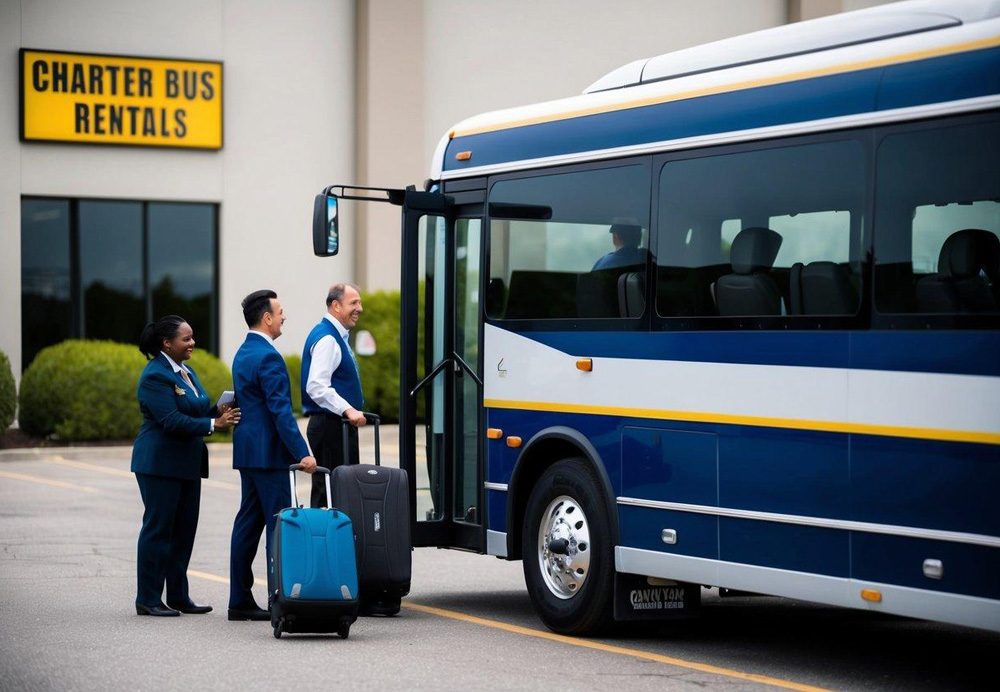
{"points": [[326, 230]]}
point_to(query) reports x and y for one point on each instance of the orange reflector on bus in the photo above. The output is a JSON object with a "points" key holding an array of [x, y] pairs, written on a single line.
{"points": [[494, 433], [585, 364], [463, 155], [513, 441], [871, 595]]}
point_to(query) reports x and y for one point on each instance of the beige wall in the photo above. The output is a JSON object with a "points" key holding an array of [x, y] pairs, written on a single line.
{"points": [[435, 62], [289, 129]]}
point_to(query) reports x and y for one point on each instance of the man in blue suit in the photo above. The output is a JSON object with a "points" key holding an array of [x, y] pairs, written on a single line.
{"points": [[266, 442]]}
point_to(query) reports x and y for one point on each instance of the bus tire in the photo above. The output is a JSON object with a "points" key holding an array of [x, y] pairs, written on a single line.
{"points": [[567, 551]]}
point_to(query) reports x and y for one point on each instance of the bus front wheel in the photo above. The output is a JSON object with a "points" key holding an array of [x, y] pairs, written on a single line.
{"points": [[568, 561]]}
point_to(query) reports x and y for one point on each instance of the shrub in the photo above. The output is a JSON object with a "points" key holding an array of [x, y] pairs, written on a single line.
{"points": [[380, 373], [215, 378], [8, 394], [294, 364], [213, 373], [82, 390]]}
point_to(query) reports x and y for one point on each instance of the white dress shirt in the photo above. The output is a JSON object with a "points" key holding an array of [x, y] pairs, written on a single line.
{"points": [[177, 367], [326, 358], [266, 337]]}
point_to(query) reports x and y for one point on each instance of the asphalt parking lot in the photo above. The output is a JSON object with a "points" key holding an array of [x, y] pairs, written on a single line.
{"points": [[69, 518]]}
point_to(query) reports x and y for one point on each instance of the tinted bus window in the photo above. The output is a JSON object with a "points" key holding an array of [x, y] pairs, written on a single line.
{"points": [[572, 245], [937, 221], [768, 232]]}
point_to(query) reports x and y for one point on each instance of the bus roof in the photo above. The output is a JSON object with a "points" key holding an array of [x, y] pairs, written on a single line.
{"points": [[838, 71]]}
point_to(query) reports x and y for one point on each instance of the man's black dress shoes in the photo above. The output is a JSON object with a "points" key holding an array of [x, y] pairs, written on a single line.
{"points": [[190, 608], [156, 611], [251, 613]]}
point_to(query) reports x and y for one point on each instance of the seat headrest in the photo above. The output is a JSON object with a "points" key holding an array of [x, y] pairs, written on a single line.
{"points": [[965, 253], [754, 249]]}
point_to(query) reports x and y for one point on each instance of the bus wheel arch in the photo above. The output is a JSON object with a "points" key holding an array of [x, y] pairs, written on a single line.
{"points": [[542, 451]]}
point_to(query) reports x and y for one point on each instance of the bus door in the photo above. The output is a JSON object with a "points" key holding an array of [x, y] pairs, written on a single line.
{"points": [[441, 447]]}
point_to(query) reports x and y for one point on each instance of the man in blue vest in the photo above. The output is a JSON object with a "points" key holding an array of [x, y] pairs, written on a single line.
{"points": [[331, 384], [263, 449]]}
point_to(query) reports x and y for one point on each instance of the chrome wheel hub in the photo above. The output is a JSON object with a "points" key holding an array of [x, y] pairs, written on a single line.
{"points": [[564, 547]]}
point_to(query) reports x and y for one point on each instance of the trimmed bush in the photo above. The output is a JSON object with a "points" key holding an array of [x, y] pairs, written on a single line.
{"points": [[8, 394], [213, 373], [215, 378], [294, 364], [380, 373], [82, 390]]}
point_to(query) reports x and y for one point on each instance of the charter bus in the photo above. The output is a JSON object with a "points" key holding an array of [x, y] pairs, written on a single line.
{"points": [[728, 319]]}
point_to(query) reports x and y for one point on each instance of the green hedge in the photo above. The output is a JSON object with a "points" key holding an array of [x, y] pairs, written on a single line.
{"points": [[294, 364], [380, 373], [8, 394], [82, 390], [86, 390]]}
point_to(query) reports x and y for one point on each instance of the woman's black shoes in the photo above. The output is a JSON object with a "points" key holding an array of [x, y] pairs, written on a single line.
{"points": [[158, 611], [190, 608]]}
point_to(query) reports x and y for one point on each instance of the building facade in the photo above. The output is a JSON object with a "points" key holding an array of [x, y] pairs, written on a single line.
{"points": [[99, 238]]}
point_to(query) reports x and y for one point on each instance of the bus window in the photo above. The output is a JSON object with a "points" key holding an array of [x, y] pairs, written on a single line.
{"points": [[762, 232], [938, 221], [584, 260]]}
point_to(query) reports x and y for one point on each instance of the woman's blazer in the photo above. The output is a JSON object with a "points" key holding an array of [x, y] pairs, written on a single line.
{"points": [[175, 421]]}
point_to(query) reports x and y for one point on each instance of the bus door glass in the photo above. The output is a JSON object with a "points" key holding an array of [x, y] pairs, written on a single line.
{"points": [[440, 441]]}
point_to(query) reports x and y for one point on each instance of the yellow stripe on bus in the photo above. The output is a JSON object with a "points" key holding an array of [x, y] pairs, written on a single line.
{"points": [[759, 421], [911, 56]]}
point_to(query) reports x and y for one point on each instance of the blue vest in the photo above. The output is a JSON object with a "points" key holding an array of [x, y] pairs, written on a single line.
{"points": [[345, 379]]}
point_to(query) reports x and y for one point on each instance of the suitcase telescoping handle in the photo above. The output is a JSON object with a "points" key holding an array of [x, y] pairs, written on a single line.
{"points": [[374, 420], [319, 469]]}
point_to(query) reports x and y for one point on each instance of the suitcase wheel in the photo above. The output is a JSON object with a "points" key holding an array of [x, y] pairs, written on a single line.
{"points": [[278, 628], [344, 630]]}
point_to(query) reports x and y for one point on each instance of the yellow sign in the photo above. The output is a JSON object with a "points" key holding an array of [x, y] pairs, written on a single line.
{"points": [[112, 99]]}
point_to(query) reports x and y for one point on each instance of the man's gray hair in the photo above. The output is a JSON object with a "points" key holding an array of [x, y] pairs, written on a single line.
{"points": [[337, 293]]}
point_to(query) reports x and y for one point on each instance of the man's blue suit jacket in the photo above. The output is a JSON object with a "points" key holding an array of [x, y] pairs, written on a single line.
{"points": [[268, 436], [175, 420]]}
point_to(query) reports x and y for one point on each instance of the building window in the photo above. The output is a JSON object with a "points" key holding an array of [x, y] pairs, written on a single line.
{"points": [[101, 269]]}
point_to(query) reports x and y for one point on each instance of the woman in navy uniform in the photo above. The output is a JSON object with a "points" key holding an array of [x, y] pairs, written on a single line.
{"points": [[169, 460]]}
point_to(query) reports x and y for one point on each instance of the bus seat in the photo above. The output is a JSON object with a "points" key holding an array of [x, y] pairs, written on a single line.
{"points": [[968, 275], [539, 295], [821, 288], [631, 294], [496, 297], [750, 290], [597, 293]]}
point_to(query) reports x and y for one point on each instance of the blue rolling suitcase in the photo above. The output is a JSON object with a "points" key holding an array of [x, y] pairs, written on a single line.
{"points": [[314, 568]]}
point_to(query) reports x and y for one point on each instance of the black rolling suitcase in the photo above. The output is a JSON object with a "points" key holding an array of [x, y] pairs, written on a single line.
{"points": [[377, 500]]}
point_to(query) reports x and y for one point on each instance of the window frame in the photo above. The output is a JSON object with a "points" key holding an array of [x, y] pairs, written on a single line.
{"points": [[860, 320], [76, 330], [593, 324], [917, 320]]}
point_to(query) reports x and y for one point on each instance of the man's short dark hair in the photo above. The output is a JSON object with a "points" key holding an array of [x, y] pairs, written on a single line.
{"points": [[337, 293], [256, 304]]}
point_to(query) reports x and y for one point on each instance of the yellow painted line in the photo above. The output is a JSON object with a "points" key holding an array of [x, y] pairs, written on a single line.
{"points": [[612, 649], [967, 46], [760, 421], [207, 577], [584, 643], [46, 481], [128, 474]]}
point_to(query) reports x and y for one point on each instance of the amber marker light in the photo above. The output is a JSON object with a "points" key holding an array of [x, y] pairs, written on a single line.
{"points": [[585, 364], [513, 441], [463, 155], [494, 433], [871, 595]]}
